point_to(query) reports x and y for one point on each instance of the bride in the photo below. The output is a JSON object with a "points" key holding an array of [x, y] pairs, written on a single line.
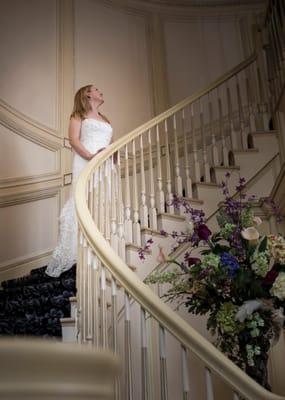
{"points": [[89, 133]]}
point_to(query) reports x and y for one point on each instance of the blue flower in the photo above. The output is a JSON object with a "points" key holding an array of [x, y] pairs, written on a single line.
{"points": [[230, 262]]}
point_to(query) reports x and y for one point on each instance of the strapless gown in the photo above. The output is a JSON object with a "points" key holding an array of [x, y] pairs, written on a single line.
{"points": [[94, 135]]}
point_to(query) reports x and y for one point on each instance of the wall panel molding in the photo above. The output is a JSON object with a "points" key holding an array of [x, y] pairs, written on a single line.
{"points": [[28, 193], [187, 12]]}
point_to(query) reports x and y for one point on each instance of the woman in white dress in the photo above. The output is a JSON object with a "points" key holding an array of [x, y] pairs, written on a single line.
{"points": [[89, 133]]}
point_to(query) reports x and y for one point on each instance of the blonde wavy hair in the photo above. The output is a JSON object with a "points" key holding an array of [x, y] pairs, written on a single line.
{"points": [[81, 104]]}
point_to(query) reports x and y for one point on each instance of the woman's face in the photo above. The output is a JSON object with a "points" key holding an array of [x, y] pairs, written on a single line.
{"points": [[95, 93]]}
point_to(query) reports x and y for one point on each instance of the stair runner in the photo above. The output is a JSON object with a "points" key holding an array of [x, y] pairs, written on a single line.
{"points": [[33, 305]]}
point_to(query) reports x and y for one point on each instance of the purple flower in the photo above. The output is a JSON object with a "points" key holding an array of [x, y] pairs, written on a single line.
{"points": [[230, 262], [270, 277], [203, 232]]}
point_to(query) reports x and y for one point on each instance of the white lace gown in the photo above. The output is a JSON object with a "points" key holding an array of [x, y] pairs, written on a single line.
{"points": [[94, 135]]}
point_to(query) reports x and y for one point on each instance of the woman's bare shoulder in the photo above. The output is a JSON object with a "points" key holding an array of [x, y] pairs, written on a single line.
{"points": [[75, 120]]}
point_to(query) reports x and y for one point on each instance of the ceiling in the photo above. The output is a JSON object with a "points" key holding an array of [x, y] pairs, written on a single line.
{"points": [[203, 2]]}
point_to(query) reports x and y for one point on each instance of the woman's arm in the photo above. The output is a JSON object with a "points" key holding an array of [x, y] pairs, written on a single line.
{"points": [[74, 138]]}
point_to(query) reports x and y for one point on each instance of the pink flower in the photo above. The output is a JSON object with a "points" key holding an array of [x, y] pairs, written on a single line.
{"points": [[161, 256]]}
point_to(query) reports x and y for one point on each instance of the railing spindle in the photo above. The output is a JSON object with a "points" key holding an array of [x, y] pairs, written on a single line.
{"points": [[197, 174], [206, 165], [188, 183], [215, 152], [163, 367], [143, 206], [128, 220], [144, 357], [128, 351], [114, 200], [209, 385], [178, 179], [185, 374], [160, 199], [136, 224], [103, 308], [169, 194], [152, 209], [222, 132]]}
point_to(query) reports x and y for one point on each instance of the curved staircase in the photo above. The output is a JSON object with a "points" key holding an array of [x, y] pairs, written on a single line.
{"points": [[123, 198]]}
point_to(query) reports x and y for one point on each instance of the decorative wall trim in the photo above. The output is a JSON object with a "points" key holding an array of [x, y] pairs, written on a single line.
{"points": [[187, 12], [27, 180], [67, 179], [30, 193], [37, 128], [23, 265], [28, 128]]}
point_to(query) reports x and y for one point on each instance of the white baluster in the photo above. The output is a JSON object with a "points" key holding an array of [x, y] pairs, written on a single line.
{"points": [[144, 357], [243, 140], [107, 179], [114, 316], [222, 131], [128, 351], [215, 152], [236, 396], [96, 319], [84, 291], [143, 206], [209, 385], [185, 374], [159, 194], [96, 197], [152, 208], [89, 296], [79, 277], [103, 308], [233, 133], [178, 179], [120, 211], [163, 368], [114, 200], [169, 194], [128, 221], [204, 145], [136, 224], [188, 183], [252, 123], [197, 173], [101, 188]]}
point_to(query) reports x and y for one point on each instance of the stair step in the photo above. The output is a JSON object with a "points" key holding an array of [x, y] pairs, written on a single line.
{"points": [[68, 327], [173, 217], [205, 184], [229, 167], [237, 151]]}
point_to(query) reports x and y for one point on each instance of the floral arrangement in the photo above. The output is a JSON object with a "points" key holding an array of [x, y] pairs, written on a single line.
{"points": [[234, 276]]}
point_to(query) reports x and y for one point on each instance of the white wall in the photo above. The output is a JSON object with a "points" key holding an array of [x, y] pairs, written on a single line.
{"points": [[198, 52], [111, 52]]}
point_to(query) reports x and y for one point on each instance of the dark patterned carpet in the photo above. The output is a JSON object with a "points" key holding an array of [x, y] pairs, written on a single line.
{"points": [[34, 304]]}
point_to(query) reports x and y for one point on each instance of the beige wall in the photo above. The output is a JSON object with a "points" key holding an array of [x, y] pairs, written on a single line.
{"points": [[200, 51], [142, 59]]}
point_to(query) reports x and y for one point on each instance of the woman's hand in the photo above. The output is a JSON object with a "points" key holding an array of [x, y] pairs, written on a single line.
{"points": [[89, 157]]}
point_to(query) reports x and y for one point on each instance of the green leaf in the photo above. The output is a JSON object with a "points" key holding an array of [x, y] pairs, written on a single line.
{"points": [[263, 244]]}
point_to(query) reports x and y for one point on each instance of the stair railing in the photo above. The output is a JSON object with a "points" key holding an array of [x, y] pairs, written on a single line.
{"points": [[128, 187]]}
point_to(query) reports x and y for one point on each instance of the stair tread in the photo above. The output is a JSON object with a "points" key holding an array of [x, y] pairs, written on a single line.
{"points": [[228, 167], [268, 132], [136, 247], [67, 320], [191, 199], [212, 184], [255, 150], [171, 216]]}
